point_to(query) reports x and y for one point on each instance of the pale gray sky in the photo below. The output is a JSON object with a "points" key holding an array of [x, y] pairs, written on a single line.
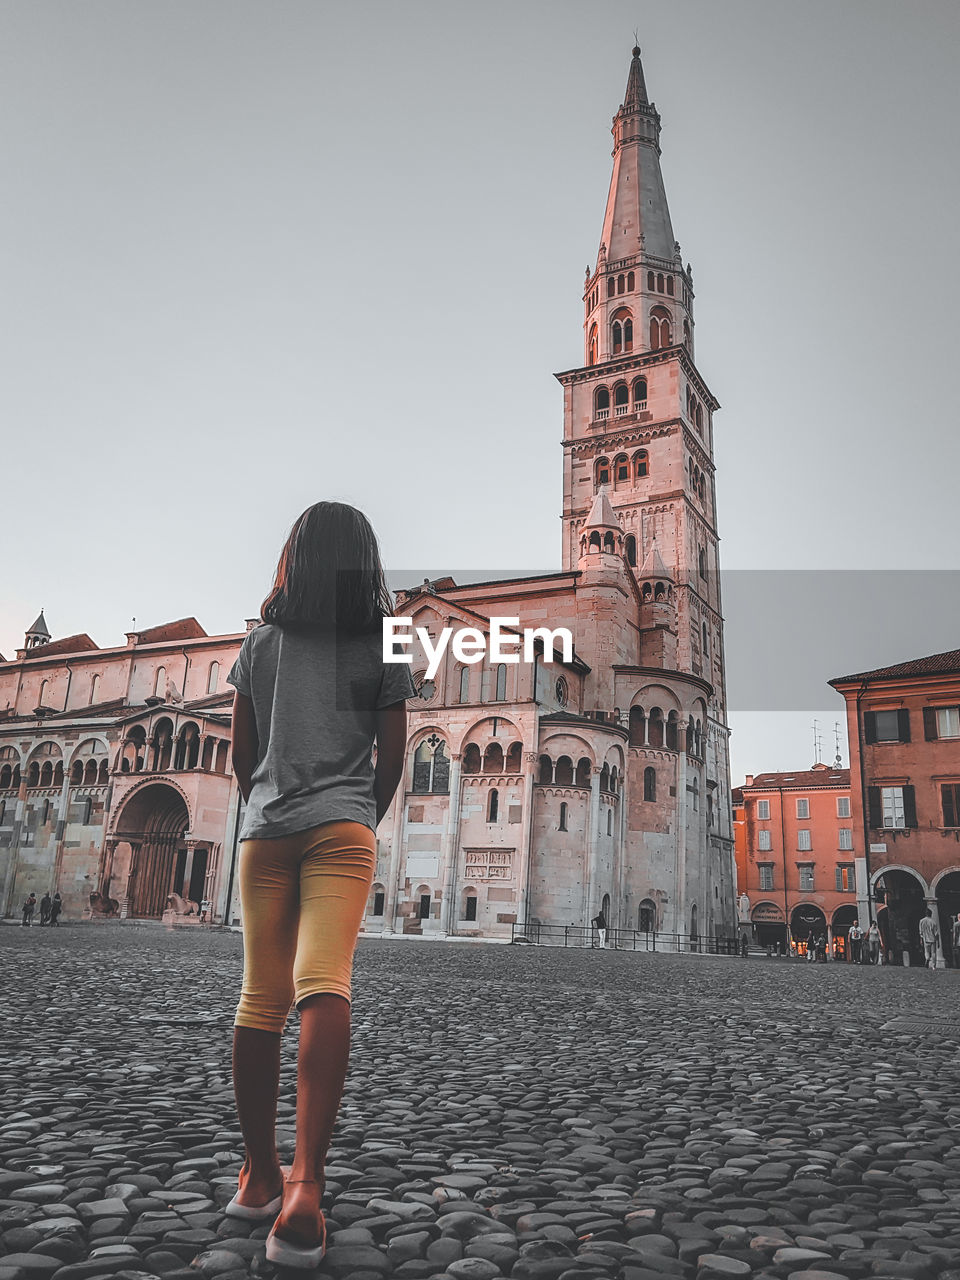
{"points": [[254, 254]]}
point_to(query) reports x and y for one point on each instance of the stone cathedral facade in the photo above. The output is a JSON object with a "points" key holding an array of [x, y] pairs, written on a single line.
{"points": [[534, 792]]}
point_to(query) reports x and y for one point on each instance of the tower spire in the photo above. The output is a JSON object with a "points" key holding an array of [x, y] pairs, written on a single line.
{"points": [[636, 94]]}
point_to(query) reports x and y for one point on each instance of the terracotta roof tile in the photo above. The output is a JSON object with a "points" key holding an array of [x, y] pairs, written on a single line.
{"points": [[800, 779], [937, 664]]}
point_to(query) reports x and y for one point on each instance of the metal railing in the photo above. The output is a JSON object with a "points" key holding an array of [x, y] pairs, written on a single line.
{"points": [[575, 935]]}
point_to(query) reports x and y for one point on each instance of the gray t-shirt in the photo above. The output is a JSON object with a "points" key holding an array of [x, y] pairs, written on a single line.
{"points": [[315, 698]]}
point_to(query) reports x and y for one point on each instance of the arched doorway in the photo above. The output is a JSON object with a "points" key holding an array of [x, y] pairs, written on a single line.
{"points": [[807, 922], [153, 821], [769, 926], [901, 901], [647, 916], [843, 918], [948, 904]]}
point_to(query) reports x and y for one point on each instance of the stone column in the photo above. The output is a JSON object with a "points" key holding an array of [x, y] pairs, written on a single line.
{"points": [[13, 864], [451, 852], [934, 906], [130, 886], [525, 861], [829, 941], [391, 887], [61, 830], [591, 867]]}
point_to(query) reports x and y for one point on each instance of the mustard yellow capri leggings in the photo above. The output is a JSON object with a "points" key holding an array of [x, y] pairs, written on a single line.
{"points": [[303, 898]]}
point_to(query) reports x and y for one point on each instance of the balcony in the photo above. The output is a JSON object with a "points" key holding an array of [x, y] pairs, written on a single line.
{"points": [[621, 410], [601, 415]]}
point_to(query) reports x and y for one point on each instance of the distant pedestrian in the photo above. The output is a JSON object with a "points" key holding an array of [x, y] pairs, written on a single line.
{"points": [[956, 942], [56, 906], [811, 947], [204, 910], [822, 948], [929, 936], [45, 905], [599, 922], [873, 944], [855, 939], [29, 907]]}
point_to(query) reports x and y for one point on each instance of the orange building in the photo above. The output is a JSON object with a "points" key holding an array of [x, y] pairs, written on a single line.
{"points": [[796, 865], [903, 725]]}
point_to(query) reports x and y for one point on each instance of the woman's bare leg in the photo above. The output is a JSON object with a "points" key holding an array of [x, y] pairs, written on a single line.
{"points": [[321, 1072], [256, 1082]]}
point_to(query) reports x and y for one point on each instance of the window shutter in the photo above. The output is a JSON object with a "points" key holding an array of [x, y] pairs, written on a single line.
{"points": [[875, 809], [903, 724], [869, 726], [839, 878], [909, 807], [949, 808], [929, 724]]}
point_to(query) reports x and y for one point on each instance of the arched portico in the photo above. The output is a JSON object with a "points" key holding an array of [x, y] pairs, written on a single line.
{"points": [[153, 823], [901, 896], [946, 887]]}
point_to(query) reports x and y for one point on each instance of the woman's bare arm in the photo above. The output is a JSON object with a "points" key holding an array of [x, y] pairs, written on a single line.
{"points": [[391, 749], [245, 746]]}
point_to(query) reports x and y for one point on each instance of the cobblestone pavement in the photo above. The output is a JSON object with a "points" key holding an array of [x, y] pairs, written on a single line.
{"points": [[510, 1111]]}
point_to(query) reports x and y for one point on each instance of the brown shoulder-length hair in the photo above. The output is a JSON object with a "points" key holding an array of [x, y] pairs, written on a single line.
{"points": [[330, 577]]}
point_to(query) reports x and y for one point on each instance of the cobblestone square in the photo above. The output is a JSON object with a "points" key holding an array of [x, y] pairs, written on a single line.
{"points": [[510, 1111]]}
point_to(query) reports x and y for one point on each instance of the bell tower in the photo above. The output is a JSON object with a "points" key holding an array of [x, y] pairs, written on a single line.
{"points": [[638, 415]]}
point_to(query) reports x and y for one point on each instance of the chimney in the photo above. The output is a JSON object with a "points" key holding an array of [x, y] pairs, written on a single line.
{"points": [[749, 781]]}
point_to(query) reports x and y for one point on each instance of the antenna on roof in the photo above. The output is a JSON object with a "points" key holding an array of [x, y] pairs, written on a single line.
{"points": [[838, 763], [816, 744]]}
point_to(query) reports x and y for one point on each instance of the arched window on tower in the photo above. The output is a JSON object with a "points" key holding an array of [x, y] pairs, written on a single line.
{"points": [[563, 776], [601, 403], [659, 282], [603, 471], [592, 345], [630, 547], [649, 783], [631, 279], [611, 286], [651, 282], [639, 395], [628, 335], [563, 815], [609, 545], [686, 334], [702, 561], [706, 647], [660, 335], [621, 400], [641, 463], [621, 469], [617, 337], [545, 769], [583, 772], [638, 727], [213, 677], [493, 805], [471, 758], [670, 285], [621, 284]]}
